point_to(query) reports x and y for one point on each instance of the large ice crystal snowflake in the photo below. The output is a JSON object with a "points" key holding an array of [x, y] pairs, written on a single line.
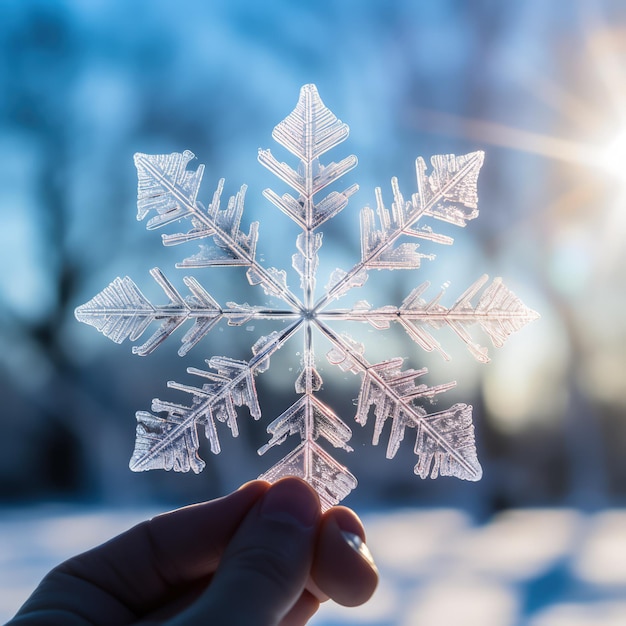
{"points": [[167, 437]]}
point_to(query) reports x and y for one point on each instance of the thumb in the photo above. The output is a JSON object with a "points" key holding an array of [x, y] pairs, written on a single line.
{"points": [[265, 567]]}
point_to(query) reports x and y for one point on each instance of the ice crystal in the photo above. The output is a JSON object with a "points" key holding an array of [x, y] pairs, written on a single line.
{"points": [[167, 437]]}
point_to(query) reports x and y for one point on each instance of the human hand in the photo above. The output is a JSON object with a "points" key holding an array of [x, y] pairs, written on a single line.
{"points": [[263, 556]]}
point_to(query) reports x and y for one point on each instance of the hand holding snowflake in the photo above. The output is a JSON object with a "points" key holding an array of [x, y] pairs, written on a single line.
{"points": [[167, 437]]}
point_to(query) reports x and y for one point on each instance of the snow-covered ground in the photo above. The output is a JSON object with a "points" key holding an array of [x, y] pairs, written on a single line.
{"points": [[535, 567]]}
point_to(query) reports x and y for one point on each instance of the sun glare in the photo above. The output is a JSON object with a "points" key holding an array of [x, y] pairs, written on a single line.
{"points": [[588, 147], [612, 156]]}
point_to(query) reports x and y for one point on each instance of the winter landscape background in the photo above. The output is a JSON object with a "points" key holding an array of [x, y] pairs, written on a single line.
{"points": [[540, 86]]}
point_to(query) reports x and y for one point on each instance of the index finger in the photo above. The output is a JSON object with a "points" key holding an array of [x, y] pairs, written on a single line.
{"points": [[137, 571]]}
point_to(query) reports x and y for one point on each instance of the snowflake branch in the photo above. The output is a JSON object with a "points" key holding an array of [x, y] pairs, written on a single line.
{"points": [[310, 418], [121, 312], [307, 132], [445, 442], [310, 462], [171, 442], [445, 195], [164, 185], [499, 312]]}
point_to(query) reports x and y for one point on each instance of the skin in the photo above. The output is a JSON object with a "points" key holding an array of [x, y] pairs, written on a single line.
{"points": [[264, 555]]}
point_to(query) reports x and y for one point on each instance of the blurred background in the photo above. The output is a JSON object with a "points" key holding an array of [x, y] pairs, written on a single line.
{"points": [[540, 85]]}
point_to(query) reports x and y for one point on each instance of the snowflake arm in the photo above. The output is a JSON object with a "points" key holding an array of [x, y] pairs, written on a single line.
{"points": [[309, 131], [121, 312], [166, 187], [499, 312], [171, 442], [444, 441], [448, 194], [311, 419]]}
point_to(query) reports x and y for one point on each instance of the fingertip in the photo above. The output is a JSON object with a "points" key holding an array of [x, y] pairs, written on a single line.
{"points": [[255, 486], [294, 483], [292, 499], [343, 567]]}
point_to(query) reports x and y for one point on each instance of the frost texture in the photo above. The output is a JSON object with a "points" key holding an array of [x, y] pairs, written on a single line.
{"points": [[168, 437]]}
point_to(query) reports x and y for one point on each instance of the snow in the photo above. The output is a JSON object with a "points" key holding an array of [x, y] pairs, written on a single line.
{"points": [[531, 567]]}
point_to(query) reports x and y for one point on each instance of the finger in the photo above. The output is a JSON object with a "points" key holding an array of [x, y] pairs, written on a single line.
{"points": [[343, 568], [302, 611], [144, 568], [176, 604], [264, 569], [188, 542], [305, 607]]}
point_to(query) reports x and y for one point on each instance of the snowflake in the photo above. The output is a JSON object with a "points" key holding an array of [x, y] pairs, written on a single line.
{"points": [[167, 438]]}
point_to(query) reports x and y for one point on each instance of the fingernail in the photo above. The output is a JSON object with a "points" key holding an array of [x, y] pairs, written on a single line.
{"points": [[291, 501], [358, 545]]}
